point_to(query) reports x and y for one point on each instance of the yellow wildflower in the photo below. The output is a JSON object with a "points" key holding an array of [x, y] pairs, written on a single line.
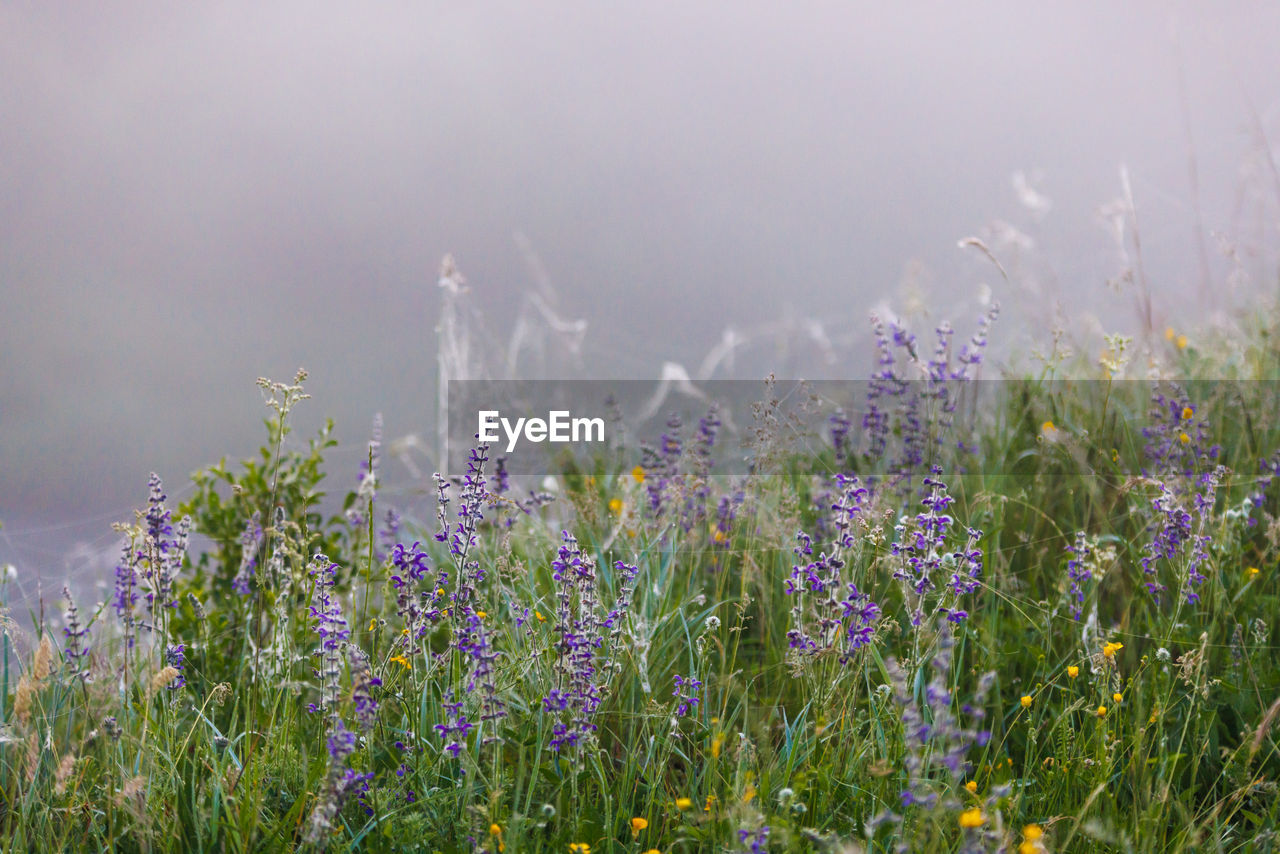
{"points": [[972, 786], [1030, 840], [716, 744], [1187, 412], [373, 624], [638, 824], [495, 830], [653, 851], [1026, 701], [615, 506], [403, 662], [1102, 711], [1184, 438], [972, 818], [748, 794], [1109, 649], [1117, 698], [1251, 572], [684, 803], [711, 802], [538, 614], [1182, 342], [482, 614], [1073, 671], [1168, 333], [579, 848], [638, 474]]}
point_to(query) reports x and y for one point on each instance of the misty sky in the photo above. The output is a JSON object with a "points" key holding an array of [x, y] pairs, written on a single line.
{"points": [[192, 197]]}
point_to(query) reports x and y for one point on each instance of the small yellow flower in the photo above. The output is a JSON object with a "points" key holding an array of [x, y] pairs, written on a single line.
{"points": [[1115, 455], [1030, 840], [684, 803], [1026, 701], [403, 662], [579, 848], [748, 794], [1169, 333], [972, 786], [711, 802], [653, 851], [972, 818], [638, 474], [716, 744], [1117, 698], [1187, 413], [1252, 572], [1184, 438], [1102, 711], [495, 830], [482, 614], [718, 535], [638, 824], [373, 624], [1073, 671], [538, 614], [1182, 342], [1109, 649], [615, 506]]}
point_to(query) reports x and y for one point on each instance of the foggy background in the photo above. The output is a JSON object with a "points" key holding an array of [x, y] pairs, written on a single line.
{"points": [[191, 198]]}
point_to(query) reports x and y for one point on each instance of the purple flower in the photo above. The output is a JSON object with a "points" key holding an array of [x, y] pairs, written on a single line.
{"points": [[176, 656], [1078, 572], [686, 694], [585, 642], [363, 682], [759, 839], [933, 734], [1178, 533], [456, 726], [75, 633], [126, 593], [926, 552], [331, 627], [250, 542], [822, 600], [473, 641]]}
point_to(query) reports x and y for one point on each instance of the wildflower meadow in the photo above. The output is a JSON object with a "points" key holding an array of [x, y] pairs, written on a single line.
{"points": [[998, 609]]}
